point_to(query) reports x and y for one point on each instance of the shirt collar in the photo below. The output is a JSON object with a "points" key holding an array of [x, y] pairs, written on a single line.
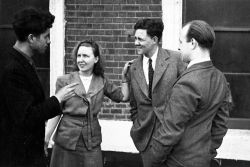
{"points": [[199, 60], [153, 58]]}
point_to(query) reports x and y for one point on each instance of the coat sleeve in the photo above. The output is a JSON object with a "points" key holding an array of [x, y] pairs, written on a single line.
{"points": [[133, 105], [132, 100], [179, 110], [24, 109], [60, 83], [112, 91], [219, 124]]}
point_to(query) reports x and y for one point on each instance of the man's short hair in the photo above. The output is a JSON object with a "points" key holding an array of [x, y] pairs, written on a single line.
{"points": [[31, 21], [202, 32], [154, 27]]}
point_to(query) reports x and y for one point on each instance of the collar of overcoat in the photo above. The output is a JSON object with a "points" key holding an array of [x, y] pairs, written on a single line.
{"points": [[29, 69]]}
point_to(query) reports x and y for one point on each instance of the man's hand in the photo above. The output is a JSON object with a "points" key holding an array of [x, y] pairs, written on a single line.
{"points": [[66, 92]]}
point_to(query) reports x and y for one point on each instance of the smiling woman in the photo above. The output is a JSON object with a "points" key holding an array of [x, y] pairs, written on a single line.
{"points": [[87, 59]]}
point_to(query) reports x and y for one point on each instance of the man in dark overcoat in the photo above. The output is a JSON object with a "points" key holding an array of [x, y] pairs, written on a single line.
{"points": [[23, 107]]}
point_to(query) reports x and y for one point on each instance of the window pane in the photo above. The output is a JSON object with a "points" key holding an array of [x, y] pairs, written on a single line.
{"points": [[240, 87], [231, 13], [232, 52]]}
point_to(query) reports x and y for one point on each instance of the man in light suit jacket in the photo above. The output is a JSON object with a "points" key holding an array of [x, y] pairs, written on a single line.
{"points": [[196, 115], [148, 95], [23, 107]]}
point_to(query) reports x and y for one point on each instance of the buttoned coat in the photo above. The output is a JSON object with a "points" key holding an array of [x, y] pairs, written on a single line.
{"points": [[23, 113], [146, 113], [195, 118], [81, 110]]}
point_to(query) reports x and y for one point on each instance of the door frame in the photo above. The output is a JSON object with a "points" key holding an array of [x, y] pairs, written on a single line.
{"points": [[57, 46]]}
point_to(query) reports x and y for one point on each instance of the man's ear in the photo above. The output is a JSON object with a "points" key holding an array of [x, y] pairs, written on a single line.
{"points": [[30, 38], [194, 43], [155, 39]]}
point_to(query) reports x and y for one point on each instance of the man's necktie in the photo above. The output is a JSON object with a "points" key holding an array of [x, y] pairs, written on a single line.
{"points": [[150, 77]]}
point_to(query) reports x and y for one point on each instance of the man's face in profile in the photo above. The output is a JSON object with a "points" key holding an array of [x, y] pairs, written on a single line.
{"points": [[41, 42], [184, 45], [143, 42]]}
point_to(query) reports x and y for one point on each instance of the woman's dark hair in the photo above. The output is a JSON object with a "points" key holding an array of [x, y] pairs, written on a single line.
{"points": [[202, 32], [31, 21], [98, 68]]}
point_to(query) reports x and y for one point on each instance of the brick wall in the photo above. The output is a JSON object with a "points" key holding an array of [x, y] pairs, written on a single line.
{"points": [[110, 23]]}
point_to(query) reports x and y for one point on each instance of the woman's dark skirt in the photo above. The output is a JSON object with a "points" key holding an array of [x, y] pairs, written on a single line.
{"points": [[81, 157]]}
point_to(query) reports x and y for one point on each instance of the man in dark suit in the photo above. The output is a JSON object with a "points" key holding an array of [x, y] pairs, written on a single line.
{"points": [[196, 115], [23, 107], [151, 77]]}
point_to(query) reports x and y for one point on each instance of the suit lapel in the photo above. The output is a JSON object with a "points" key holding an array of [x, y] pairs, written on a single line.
{"points": [[139, 75], [95, 86], [160, 66], [79, 90]]}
